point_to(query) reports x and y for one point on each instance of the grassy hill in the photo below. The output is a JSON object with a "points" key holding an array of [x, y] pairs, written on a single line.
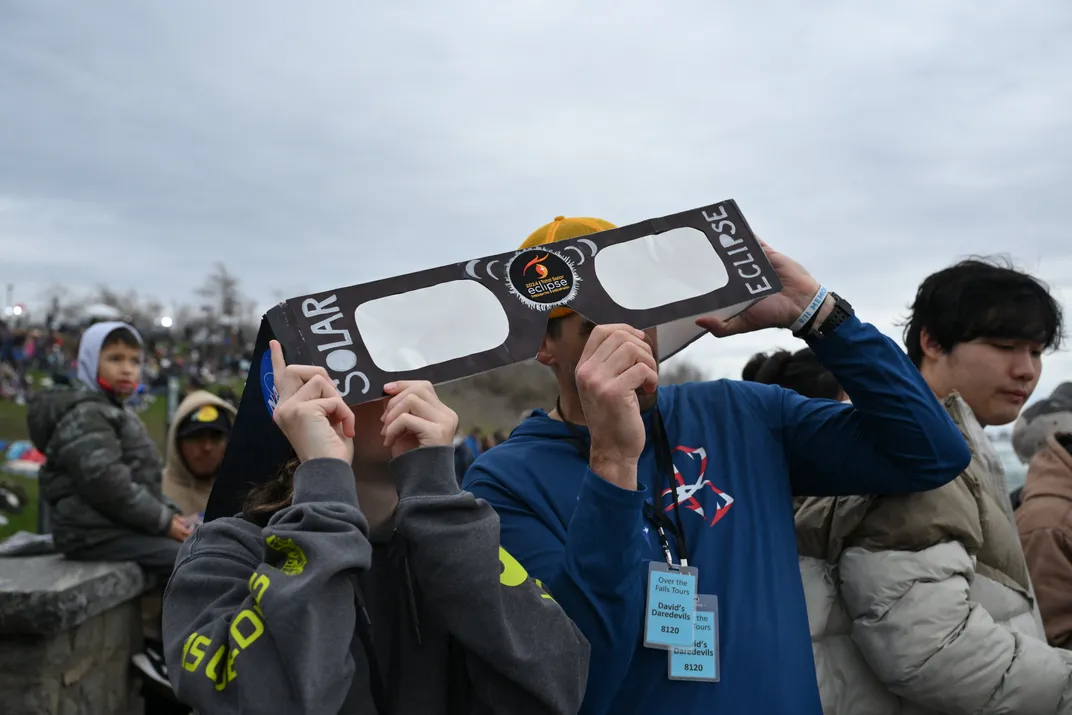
{"points": [[494, 400]]}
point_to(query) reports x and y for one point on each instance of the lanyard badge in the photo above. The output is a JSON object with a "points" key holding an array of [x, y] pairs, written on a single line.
{"points": [[671, 606], [699, 661], [669, 614]]}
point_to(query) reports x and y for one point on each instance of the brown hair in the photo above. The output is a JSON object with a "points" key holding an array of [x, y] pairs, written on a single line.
{"points": [[263, 500]]}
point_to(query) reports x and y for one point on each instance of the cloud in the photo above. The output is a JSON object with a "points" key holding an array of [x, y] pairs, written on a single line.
{"points": [[342, 143]]}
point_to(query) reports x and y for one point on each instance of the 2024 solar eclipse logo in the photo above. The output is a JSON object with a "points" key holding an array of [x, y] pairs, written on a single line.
{"points": [[541, 278], [536, 264]]}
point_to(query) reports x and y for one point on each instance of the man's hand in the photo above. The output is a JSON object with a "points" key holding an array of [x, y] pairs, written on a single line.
{"points": [[179, 529], [616, 362], [775, 311]]}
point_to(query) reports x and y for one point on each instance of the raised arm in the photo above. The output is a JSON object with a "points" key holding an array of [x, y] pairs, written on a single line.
{"points": [[526, 655], [895, 437], [262, 620]]}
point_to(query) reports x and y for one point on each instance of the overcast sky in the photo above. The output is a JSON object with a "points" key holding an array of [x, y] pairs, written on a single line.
{"points": [[339, 142]]}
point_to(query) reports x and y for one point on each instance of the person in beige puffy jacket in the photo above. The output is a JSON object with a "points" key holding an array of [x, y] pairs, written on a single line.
{"points": [[922, 603]]}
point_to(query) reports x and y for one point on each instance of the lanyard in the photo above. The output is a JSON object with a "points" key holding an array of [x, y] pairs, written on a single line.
{"points": [[664, 464]]}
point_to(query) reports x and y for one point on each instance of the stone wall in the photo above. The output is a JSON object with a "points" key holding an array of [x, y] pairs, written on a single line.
{"points": [[67, 632]]}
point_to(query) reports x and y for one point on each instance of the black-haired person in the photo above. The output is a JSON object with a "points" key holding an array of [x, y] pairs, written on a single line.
{"points": [[924, 601], [365, 581], [800, 372], [101, 480]]}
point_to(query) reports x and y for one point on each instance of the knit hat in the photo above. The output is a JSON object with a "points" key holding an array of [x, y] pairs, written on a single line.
{"points": [[1051, 415], [560, 229]]}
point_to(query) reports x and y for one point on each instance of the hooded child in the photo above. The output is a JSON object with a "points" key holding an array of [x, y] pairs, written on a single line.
{"points": [[101, 480]]}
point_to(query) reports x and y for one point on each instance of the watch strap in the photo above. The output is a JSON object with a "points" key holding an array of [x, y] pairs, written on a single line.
{"points": [[842, 311]]}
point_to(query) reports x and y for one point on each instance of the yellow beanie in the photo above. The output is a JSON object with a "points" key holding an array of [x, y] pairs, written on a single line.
{"points": [[560, 229]]}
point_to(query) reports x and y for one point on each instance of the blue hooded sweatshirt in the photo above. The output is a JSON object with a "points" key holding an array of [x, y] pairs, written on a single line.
{"points": [[741, 451]]}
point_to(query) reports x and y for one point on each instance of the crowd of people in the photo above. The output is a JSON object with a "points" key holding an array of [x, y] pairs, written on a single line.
{"points": [[830, 534], [49, 354]]}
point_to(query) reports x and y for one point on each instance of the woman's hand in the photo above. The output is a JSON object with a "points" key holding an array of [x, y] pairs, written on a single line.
{"points": [[310, 412], [414, 417]]}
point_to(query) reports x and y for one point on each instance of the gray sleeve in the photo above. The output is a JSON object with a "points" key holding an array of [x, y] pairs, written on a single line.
{"points": [[525, 654], [88, 449], [261, 620]]}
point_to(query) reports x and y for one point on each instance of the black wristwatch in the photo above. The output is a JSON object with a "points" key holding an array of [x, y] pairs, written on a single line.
{"points": [[842, 311]]}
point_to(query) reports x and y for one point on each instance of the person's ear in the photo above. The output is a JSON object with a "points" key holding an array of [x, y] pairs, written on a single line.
{"points": [[930, 347], [544, 356]]}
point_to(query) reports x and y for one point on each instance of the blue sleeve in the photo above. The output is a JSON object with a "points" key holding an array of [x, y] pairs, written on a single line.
{"points": [[594, 570], [894, 438]]}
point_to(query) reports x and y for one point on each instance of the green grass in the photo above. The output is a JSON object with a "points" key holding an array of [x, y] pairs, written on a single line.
{"points": [[13, 421]]}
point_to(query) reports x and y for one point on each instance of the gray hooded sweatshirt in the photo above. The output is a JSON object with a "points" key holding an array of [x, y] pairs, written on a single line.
{"points": [[309, 615]]}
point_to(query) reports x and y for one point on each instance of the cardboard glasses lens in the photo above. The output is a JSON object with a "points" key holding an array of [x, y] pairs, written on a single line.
{"points": [[447, 321], [653, 271], [428, 326], [463, 319]]}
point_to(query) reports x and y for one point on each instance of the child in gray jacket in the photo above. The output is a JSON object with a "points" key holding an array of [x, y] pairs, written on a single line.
{"points": [[364, 581]]}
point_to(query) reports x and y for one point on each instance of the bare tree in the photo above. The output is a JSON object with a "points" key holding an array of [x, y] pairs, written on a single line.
{"points": [[62, 308], [138, 310], [221, 294], [226, 317], [182, 314]]}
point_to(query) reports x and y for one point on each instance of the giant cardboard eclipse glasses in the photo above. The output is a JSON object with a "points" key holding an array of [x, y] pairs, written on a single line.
{"points": [[466, 318]]}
